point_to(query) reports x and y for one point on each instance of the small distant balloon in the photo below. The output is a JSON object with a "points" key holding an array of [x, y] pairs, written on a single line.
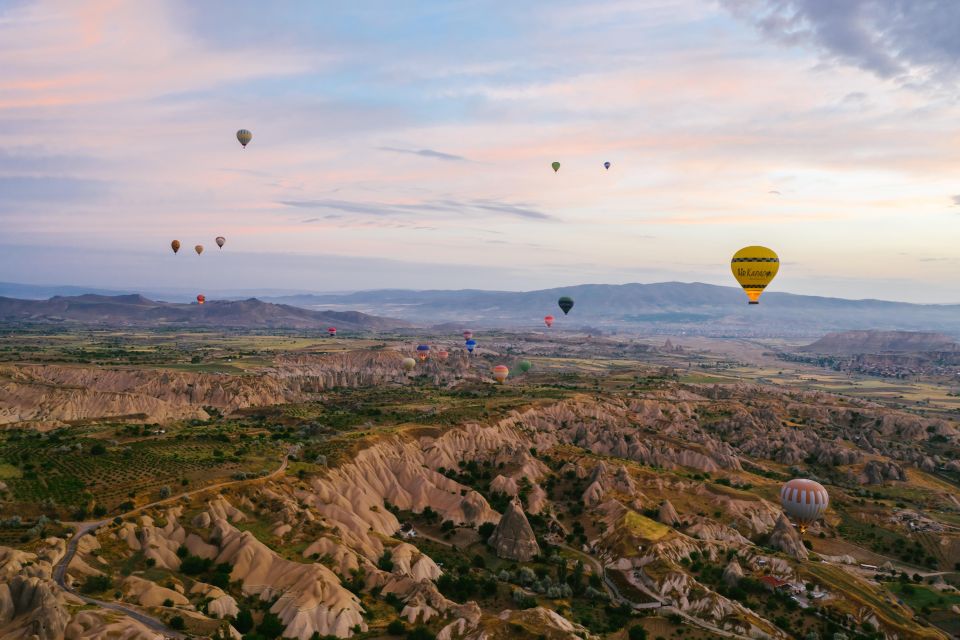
{"points": [[423, 352], [500, 373], [471, 345], [408, 364], [201, 299], [754, 267], [175, 245], [332, 331], [443, 354], [524, 366], [606, 165], [565, 303], [244, 137], [198, 249], [548, 320], [467, 334], [221, 241], [556, 166]]}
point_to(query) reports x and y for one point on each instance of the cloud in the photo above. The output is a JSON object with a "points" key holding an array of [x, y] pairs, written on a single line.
{"points": [[37, 190], [383, 209], [956, 201], [908, 40], [776, 193], [426, 153]]}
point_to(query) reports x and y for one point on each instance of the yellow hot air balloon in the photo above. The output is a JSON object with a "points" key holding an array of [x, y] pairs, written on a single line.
{"points": [[409, 364], [244, 137], [754, 268], [198, 249], [175, 245]]}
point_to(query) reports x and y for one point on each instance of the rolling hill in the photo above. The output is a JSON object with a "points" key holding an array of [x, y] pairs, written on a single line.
{"points": [[667, 307], [136, 310]]}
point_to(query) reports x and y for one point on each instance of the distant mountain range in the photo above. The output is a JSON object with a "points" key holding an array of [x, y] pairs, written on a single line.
{"points": [[668, 307], [662, 308], [136, 310], [878, 342]]}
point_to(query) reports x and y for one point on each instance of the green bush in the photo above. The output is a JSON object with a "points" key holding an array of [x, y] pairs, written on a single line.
{"points": [[396, 628]]}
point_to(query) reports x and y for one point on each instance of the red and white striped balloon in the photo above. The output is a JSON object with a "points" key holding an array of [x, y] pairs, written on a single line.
{"points": [[804, 501]]}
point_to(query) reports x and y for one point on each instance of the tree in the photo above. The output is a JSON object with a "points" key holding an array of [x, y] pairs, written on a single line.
{"points": [[385, 563], [164, 492], [244, 621], [420, 633], [396, 628], [486, 530], [98, 449], [176, 622], [270, 627], [637, 632]]}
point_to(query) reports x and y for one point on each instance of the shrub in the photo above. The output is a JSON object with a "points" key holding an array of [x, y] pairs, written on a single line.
{"points": [[176, 622], [96, 584], [244, 621], [168, 602], [396, 628], [637, 632], [420, 633]]}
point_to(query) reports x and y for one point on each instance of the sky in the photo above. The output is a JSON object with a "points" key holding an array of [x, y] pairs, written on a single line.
{"points": [[408, 145]]}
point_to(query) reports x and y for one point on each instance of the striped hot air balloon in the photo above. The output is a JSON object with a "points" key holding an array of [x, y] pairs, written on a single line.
{"points": [[244, 137], [500, 373], [332, 331], [804, 501]]}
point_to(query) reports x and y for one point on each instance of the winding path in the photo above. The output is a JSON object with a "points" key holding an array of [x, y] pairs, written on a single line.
{"points": [[83, 528]]}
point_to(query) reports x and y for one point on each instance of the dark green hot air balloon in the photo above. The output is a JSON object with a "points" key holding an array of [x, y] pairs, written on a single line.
{"points": [[524, 366], [566, 303]]}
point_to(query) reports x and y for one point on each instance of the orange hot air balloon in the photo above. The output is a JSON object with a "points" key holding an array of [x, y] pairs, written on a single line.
{"points": [[500, 373], [201, 299], [198, 249], [443, 355], [175, 245], [548, 320]]}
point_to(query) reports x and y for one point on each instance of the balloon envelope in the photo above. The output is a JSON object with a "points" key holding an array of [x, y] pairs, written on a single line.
{"points": [[201, 299], [754, 267], [175, 245], [332, 331], [443, 355], [423, 352], [408, 364], [221, 241], [198, 249], [467, 334], [548, 320], [471, 344], [804, 501], [524, 366], [500, 373], [565, 303], [606, 165], [244, 137], [556, 166]]}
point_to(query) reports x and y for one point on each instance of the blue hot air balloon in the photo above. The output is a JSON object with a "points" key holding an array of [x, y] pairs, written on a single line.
{"points": [[471, 345], [423, 352], [606, 165]]}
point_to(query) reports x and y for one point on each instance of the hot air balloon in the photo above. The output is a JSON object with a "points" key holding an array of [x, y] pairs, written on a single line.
{"points": [[443, 354], [548, 320], [221, 241], [244, 137], [332, 331], [175, 245], [423, 352], [467, 334], [556, 166], [500, 373], [606, 165], [201, 299], [804, 501], [754, 268], [198, 249], [408, 364], [565, 303], [471, 345], [524, 366]]}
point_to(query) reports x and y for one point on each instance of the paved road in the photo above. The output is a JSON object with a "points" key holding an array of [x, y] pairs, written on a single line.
{"points": [[83, 528]]}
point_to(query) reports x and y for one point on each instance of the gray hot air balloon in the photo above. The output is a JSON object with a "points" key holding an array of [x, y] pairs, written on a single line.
{"points": [[244, 137]]}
